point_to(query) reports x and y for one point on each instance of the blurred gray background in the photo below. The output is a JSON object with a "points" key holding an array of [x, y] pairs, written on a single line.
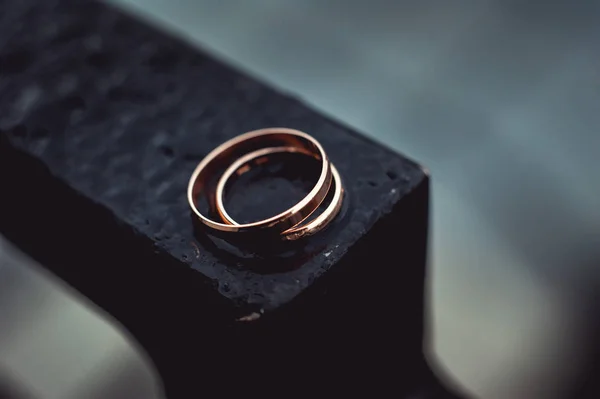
{"points": [[500, 99]]}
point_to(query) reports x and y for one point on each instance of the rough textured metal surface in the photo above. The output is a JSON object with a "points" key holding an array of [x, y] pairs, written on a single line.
{"points": [[122, 114], [103, 119]]}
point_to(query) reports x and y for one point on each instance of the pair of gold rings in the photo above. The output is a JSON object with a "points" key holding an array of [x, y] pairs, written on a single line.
{"points": [[242, 153]]}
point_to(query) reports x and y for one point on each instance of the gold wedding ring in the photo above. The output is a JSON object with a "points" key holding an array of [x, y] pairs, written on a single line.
{"points": [[240, 154]]}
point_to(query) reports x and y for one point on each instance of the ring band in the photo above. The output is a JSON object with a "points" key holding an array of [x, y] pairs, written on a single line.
{"points": [[246, 143], [301, 230]]}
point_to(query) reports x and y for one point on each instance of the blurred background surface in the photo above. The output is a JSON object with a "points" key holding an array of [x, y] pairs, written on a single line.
{"points": [[500, 99]]}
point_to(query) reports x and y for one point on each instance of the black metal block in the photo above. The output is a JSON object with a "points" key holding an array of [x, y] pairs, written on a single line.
{"points": [[103, 120]]}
